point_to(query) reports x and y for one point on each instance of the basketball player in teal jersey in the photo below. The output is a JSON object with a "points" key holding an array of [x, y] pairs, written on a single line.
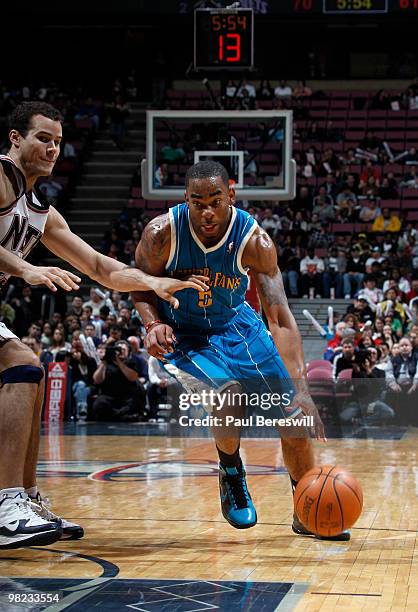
{"points": [[25, 219], [215, 340]]}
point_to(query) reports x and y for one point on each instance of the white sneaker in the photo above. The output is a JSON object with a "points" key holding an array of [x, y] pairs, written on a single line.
{"points": [[21, 526], [347, 296], [42, 507]]}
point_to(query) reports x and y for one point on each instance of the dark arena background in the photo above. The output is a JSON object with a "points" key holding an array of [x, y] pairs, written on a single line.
{"points": [[312, 105]]}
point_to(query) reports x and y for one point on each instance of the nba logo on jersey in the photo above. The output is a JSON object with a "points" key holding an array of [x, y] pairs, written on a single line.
{"points": [[230, 248]]}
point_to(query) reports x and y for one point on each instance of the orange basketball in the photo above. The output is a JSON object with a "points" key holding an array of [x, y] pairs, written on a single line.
{"points": [[328, 500]]}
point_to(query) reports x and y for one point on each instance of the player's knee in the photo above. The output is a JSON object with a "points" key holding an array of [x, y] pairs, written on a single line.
{"points": [[296, 439], [28, 370]]}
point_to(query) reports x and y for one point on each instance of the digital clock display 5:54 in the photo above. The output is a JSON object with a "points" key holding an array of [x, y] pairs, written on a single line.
{"points": [[356, 6], [223, 38]]}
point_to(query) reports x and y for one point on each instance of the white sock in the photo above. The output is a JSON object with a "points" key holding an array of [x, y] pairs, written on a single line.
{"points": [[32, 492]]}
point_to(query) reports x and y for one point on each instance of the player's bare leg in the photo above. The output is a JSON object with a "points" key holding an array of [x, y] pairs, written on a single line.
{"points": [[29, 473], [20, 375], [70, 531], [298, 456], [17, 403], [236, 504]]}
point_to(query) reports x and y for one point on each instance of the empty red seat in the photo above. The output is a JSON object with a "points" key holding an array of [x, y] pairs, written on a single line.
{"points": [[319, 364]]}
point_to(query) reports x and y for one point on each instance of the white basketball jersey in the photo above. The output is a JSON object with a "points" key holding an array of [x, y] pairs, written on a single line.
{"points": [[22, 222]]}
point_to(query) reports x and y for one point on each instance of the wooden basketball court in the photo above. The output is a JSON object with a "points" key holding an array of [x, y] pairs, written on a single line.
{"points": [[155, 538]]}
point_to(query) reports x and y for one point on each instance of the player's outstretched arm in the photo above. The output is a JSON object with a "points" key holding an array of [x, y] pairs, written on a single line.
{"points": [[109, 272], [51, 276], [261, 257]]}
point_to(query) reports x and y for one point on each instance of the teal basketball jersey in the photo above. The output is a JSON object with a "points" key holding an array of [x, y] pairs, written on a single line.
{"points": [[210, 310]]}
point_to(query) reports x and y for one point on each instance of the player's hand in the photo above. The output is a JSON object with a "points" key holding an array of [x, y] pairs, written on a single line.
{"points": [[160, 340], [52, 277], [306, 404], [412, 389], [166, 287]]}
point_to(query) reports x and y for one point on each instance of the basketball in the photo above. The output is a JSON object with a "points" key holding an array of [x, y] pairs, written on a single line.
{"points": [[328, 500]]}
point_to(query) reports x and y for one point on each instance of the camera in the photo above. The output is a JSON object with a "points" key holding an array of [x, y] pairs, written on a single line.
{"points": [[111, 352]]}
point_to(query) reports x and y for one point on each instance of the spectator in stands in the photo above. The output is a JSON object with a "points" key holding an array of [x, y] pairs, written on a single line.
{"points": [[387, 191], [323, 206], [120, 396], [141, 357], [89, 110], [413, 292], [51, 190], [370, 170], [361, 309], [271, 223], [163, 389], [395, 325], [265, 90], [380, 100], [173, 152], [412, 156], [333, 275], [370, 143], [371, 292], [302, 91], [410, 179], [329, 163], [90, 331], [311, 270], [402, 379], [76, 306], [375, 256], [246, 89], [160, 175], [344, 360], [98, 298], [283, 91], [82, 370], [58, 342], [349, 158], [322, 237], [46, 337], [33, 344], [388, 221], [354, 275], [392, 305], [118, 112], [370, 189], [314, 133], [7, 313], [397, 282]]}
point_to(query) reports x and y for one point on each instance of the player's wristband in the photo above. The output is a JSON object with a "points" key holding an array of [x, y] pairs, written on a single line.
{"points": [[151, 324]]}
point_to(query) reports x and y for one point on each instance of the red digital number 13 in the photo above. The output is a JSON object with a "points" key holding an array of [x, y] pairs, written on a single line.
{"points": [[234, 48]]}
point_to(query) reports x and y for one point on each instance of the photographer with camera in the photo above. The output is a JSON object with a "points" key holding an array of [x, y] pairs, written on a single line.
{"points": [[121, 396]]}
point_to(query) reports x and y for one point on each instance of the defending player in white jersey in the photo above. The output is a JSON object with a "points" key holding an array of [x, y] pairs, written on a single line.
{"points": [[35, 136]]}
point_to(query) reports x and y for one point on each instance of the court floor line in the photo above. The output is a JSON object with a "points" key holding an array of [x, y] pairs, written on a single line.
{"points": [[167, 520]]}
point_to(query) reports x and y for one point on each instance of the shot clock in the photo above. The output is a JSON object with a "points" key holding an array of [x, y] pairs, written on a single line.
{"points": [[223, 38]]}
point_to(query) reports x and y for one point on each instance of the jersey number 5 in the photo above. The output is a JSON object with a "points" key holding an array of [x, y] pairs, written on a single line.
{"points": [[205, 298]]}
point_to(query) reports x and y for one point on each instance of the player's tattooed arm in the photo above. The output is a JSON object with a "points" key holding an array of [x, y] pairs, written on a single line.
{"points": [[260, 256], [151, 255]]}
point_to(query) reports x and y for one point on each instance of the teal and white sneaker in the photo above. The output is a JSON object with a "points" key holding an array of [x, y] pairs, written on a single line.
{"points": [[236, 504]]}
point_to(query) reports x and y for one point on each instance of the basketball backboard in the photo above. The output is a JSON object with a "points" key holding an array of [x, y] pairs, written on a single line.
{"points": [[254, 146]]}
